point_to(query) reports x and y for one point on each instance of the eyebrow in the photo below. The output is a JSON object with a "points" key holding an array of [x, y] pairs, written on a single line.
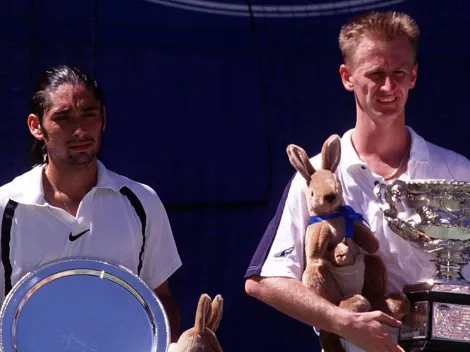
{"points": [[69, 110], [91, 108], [373, 70], [378, 68], [61, 112]]}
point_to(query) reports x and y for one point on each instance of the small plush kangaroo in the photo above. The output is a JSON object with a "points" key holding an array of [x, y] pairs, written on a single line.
{"points": [[201, 337], [340, 264]]}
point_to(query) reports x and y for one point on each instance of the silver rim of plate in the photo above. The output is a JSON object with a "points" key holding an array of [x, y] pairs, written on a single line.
{"points": [[82, 304]]}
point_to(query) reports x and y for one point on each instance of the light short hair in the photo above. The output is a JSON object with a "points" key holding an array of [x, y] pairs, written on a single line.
{"points": [[388, 25]]}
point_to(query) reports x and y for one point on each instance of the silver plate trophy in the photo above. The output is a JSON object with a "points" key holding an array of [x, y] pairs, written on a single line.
{"points": [[434, 215], [82, 305]]}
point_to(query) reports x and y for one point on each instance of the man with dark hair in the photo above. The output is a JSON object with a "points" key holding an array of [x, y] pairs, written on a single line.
{"points": [[70, 205], [380, 67]]}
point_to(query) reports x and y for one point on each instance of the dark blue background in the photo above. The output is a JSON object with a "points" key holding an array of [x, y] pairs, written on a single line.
{"points": [[201, 107]]}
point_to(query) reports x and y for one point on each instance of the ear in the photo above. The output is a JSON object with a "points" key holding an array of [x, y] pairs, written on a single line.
{"points": [[299, 160], [331, 153], [216, 314], [103, 127], [345, 73], [35, 127], [414, 76], [202, 312]]}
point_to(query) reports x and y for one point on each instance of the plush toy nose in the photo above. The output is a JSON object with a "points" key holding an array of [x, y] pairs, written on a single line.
{"points": [[329, 198]]}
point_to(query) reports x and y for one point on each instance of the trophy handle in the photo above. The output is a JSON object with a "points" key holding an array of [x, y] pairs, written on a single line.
{"points": [[384, 199], [387, 195], [447, 210]]}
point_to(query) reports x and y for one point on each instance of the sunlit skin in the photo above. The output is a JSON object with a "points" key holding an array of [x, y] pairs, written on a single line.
{"points": [[380, 73], [71, 126]]}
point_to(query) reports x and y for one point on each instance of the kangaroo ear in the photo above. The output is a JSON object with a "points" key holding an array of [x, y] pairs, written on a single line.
{"points": [[331, 153], [299, 160], [202, 313], [216, 314]]}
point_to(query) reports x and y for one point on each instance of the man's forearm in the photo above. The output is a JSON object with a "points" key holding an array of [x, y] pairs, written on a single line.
{"points": [[173, 314], [292, 298]]}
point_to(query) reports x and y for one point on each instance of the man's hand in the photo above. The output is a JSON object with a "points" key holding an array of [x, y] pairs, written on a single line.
{"points": [[291, 297], [366, 330], [171, 309]]}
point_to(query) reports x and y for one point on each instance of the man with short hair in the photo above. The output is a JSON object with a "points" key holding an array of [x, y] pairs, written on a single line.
{"points": [[380, 67], [70, 205]]}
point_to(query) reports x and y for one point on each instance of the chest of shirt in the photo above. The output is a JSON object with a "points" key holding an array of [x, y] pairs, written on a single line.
{"points": [[105, 227]]}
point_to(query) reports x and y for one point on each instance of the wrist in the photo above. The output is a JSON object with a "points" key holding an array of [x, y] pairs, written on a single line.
{"points": [[341, 320]]}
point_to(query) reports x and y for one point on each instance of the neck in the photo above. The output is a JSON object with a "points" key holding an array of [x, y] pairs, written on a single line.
{"points": [[385, 148], [75, 181], [387, 142]]}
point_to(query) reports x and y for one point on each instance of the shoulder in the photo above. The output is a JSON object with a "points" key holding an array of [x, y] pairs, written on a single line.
{"points": [[5, 196], [441, 154], [6, 190], [434, 161], [146, 194], [447, 161], [23, 188]]}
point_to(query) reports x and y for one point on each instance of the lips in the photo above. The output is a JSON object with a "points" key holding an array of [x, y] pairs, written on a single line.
{"points": [[387, 100], [81, 146]]}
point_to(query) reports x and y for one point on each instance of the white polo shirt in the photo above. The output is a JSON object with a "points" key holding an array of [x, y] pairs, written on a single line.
{"points": [[280, 252], [106, 227]]}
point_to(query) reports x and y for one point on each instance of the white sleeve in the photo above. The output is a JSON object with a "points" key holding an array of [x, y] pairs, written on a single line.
{"points": [[285, 257], [160, 258]]}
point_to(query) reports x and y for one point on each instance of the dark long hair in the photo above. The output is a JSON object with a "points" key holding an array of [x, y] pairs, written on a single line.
{"points": [[50, 80]]}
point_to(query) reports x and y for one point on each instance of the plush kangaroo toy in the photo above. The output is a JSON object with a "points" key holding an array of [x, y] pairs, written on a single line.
{"points": [[340, 264], [201, 337]]}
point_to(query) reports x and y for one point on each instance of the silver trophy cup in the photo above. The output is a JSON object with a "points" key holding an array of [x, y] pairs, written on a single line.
{"points": [[434, 215]]}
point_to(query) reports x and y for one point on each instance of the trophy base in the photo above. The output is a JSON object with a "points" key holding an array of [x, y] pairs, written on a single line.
{"points": [[439, 319], [434, 346]]}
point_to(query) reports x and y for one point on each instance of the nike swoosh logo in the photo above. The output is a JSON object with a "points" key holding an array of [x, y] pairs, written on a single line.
{"points": [[73, 238]]}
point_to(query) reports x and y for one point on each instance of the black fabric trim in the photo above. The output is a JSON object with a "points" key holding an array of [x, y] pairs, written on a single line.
{"points": [[267, 240], [139, 209], [7, 221]]}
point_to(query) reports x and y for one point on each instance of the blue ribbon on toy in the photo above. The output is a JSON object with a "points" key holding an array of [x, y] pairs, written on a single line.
{"points": [[347, 213]]}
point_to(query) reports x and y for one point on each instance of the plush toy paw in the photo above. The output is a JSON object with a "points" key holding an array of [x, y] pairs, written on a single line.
{"points": [[356, 303], [398, 304]]}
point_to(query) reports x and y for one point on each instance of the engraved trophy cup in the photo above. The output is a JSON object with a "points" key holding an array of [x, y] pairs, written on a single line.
{"points": [[434, 215]]}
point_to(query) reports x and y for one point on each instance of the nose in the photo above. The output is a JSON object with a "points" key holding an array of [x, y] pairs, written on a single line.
{"points": [[389, 84], [79, 127], [330, 198]]}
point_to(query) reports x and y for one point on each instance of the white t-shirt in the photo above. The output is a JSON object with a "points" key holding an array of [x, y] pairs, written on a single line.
{"points": [[280, 252], [106, 227]]}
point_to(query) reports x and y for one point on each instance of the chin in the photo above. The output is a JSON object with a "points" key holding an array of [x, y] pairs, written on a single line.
{"points": [[81, 159], [386, 116], [389, 113]]}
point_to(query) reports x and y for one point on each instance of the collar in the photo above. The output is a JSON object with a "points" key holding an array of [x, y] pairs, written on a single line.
{"points": [[28, 188], [419, 150]]}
